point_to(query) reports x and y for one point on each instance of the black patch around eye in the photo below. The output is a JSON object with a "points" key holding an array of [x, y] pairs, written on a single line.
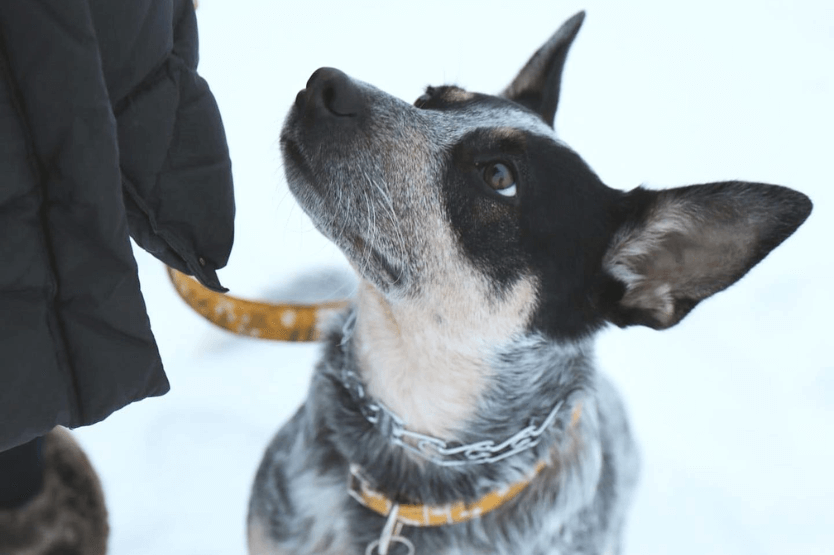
{"points": [[485, 222], [556, 230], [567, 219]]}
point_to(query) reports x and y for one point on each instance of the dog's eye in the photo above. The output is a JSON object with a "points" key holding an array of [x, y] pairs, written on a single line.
{"points": [[500, 178]]}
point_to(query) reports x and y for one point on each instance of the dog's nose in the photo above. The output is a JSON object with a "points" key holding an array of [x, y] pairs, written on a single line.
{"points": [[330, 92]]}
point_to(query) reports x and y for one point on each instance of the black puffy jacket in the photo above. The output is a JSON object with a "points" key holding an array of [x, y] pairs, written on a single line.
{"points": [[106, 130]]}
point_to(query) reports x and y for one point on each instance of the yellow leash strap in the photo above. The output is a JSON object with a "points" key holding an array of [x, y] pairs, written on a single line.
{"points": [[278, 321]]}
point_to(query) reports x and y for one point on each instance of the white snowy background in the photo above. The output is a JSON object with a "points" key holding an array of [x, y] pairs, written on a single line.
{"points": [[733, 408]]}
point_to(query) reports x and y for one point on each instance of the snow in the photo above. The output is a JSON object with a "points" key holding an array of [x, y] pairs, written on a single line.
{"points": [[733, 408]]}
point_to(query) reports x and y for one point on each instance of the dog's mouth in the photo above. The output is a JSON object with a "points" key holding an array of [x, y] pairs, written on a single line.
{"points": [[330, 219], [343, 157], [298, 169], [384, 269]]}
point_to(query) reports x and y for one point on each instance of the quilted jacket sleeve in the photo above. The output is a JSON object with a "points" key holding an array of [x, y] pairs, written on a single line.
{"points": [[106, 130], [174, 157]]}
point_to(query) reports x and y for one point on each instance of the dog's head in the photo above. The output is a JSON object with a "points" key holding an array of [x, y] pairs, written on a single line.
{"points": [[470, 198]]}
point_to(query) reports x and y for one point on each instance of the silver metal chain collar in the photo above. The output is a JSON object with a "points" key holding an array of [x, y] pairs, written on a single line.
{"points": [[431, 448], [435, 449]]}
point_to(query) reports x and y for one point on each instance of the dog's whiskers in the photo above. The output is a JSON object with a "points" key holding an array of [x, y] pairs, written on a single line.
{"points": [[393, 222]]}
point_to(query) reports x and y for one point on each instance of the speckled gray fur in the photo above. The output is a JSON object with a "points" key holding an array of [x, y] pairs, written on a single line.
{"points": [[576, 506], [477, 304], [379, 194]]}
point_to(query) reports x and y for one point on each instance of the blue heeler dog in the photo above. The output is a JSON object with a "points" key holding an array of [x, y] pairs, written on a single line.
{"points": [[457, 408]]}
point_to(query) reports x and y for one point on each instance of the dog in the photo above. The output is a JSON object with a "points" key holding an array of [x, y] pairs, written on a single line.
{"points": [[457, 408]]}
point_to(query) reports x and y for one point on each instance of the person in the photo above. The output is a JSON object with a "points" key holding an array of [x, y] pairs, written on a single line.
{"points": [[106, 132]]}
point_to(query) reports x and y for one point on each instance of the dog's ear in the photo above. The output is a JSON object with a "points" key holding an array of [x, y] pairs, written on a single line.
{"points": [[679, 246], [537, 85]]}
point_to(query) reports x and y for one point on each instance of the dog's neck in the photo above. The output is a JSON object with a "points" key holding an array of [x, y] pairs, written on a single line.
{"points": [[431, 362], [516, 387]]}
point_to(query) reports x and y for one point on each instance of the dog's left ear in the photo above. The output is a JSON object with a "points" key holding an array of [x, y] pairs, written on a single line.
{"points": [[677, 247], [537, 85]]}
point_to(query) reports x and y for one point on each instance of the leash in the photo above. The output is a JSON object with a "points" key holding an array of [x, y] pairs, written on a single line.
{"points": [[279, 322], [300, 322], [276, 321]]}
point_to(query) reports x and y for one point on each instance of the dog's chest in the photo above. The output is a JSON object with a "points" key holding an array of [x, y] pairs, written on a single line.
{"points": [[330, 523], [301, 503]]}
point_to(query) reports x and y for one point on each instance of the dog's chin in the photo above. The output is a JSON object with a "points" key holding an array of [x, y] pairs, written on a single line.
{"points": [[369, 262], [388, 275]]}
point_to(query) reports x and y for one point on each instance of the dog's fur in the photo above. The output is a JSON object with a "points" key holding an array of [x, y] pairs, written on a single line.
{"points": [[475, 311], [69, 515]]}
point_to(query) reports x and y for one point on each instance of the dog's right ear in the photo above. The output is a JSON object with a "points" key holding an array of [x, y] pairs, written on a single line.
{"points": [[677, 247], [537, 85]]}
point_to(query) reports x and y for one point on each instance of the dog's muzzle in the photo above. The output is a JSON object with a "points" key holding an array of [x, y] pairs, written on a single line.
{"points": [[321, 126]]}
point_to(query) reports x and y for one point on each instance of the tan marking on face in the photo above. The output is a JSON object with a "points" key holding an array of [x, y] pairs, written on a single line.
{"points": [[506, 132], [428, 359], [456, 94]]}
